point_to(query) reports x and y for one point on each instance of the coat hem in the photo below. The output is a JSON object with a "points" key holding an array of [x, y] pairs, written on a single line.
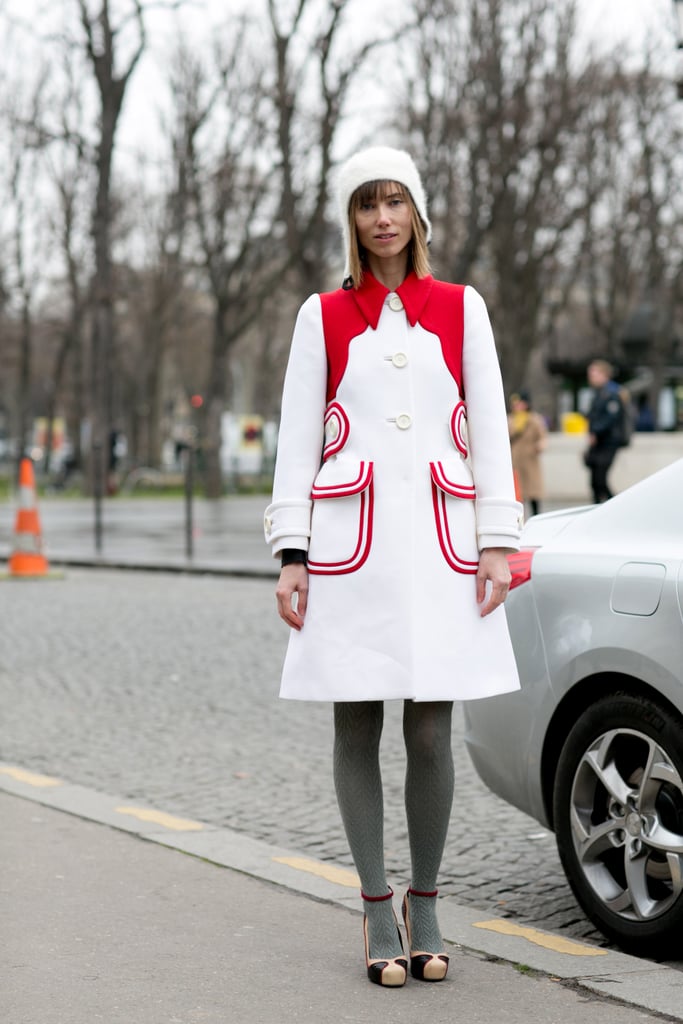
{"points": [[421, 699]]}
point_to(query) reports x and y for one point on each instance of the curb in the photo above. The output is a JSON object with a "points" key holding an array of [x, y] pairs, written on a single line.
{"points": [[186, 568], [653, 987]]}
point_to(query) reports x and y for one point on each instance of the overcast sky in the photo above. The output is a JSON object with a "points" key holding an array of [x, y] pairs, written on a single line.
{"points": [[626, 19], [633, 24]]}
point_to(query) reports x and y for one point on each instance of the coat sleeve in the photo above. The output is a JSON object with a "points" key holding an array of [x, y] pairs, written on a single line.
{"points": [[287, 520], [499, 515]]}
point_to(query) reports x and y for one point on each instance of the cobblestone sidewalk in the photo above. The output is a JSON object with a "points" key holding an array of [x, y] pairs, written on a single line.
{"points": [[163, 688]]}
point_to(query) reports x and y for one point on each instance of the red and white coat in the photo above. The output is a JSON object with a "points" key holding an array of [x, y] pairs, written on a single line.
{"points": [[393, 471]]}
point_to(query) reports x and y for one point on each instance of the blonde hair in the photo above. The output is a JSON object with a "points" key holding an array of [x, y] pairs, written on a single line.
{"points": [[418, 253], [603, 366]]}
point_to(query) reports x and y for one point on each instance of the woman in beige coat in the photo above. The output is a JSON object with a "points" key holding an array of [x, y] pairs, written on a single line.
{"points": [[528, 438]]}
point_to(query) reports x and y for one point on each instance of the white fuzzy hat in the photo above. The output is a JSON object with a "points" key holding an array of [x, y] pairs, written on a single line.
{"points": [[379, 163]]}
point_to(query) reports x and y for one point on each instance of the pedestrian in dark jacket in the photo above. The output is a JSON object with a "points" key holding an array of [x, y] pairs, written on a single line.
{"points": [[606, 427]]}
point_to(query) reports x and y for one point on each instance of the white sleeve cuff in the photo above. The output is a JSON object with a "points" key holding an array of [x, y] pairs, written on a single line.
{"points": [[499, 523], [287, 524]]}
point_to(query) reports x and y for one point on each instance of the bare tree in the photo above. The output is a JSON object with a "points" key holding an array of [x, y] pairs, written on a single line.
{"points": [[633, 245], [113, 50], [494, 104], [154, 310], [26, 239], [70, 173], [226, 183], [310, 94]]}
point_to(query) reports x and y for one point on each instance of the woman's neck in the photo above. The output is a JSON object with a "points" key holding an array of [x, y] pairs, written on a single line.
{"points": [[390, 272]]}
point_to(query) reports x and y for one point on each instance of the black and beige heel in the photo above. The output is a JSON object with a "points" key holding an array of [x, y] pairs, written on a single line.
{"points": [[391, 972], [423, 966]]}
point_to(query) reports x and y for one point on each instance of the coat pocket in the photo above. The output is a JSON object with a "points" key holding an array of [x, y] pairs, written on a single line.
{"points": [[453, 496], [341, 523]]}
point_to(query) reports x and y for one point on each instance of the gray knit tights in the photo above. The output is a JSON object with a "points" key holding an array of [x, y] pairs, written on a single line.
{"points": [[428, 795]]}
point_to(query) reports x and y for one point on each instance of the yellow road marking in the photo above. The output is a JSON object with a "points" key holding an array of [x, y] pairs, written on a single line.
{"points": [[159, 818], [554, 942], [342, 876], [30, 778]]}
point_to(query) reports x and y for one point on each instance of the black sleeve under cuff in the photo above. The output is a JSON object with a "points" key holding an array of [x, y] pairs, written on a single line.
{"points": [[293, 556]]}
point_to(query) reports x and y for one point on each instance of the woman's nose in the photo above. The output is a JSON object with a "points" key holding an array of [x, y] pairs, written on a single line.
{"points": [[383, 214]]}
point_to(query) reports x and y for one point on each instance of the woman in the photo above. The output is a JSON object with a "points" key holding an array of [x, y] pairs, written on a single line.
{"points": [[393, 550], [528, 437]]}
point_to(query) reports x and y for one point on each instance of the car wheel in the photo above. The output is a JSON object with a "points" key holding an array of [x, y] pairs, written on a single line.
{"points": [[618, 807]]}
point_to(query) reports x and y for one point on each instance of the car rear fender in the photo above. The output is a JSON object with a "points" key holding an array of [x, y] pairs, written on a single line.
{"points": [[513, 772]]}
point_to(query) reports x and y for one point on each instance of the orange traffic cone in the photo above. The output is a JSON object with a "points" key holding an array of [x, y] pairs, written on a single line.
{"points": [[27, 559]]}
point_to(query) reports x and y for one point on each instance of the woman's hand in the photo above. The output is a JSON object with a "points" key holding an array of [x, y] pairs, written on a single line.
{"points": [[493, 569], [293, 580]]}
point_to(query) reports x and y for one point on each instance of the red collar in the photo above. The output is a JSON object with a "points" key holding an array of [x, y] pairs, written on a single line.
{"points": [[414, 293]]}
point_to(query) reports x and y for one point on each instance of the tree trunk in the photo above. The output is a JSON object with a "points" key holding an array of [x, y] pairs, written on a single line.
{"points": [[210, 437], [23, 430]]}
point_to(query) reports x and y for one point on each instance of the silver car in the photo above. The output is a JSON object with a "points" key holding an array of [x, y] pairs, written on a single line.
{"points": [[592, 745]]}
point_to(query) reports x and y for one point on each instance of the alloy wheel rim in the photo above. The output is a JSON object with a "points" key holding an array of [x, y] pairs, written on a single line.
{"points": [[626, 818]]}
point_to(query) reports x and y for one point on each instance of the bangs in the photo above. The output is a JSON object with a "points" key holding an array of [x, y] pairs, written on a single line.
{"points": [[378, 191], [375, 191]]}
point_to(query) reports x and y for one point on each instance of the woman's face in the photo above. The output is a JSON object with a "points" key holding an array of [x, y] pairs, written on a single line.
{"points": [[597, 377], [383, 222]]}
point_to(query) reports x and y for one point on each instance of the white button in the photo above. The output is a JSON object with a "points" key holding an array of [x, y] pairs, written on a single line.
{"points": [[404, 421], [332, 430], [400, 359], [395, 303]]}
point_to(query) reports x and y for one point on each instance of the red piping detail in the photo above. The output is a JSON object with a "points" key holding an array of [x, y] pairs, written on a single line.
{"points": [[345, 490], [359, 556], [456, 432], [466, 491], [456, 563], [336, 411]]}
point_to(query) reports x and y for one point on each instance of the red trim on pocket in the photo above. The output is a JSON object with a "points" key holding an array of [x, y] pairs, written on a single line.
{"points": [[439, 477], [359, 556], [345, 490], [336, 411], [458, 418], [441, 518]]}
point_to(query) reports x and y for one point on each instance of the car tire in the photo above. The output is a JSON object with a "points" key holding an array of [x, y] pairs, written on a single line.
{"points": [[618, 811]]}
